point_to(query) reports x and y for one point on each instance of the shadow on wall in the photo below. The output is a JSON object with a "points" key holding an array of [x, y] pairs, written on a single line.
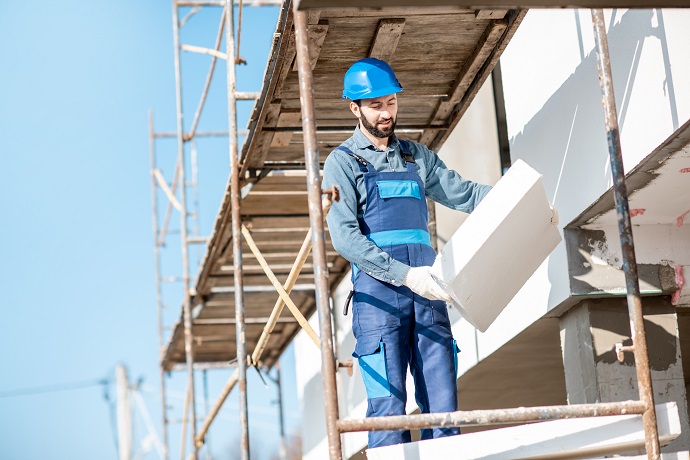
{"points": [[566, 139]]}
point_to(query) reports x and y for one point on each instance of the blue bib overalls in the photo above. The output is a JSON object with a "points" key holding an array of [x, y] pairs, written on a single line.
{"points": [[395, 327]]}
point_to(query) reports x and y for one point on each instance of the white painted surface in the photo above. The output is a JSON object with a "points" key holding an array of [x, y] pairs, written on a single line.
{"points": [[556, 124], [568, 438], [553, 103], [668, 456], [497, 249], [664, 200]]}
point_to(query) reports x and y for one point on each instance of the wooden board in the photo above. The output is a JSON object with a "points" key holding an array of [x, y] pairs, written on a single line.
{"points": [[377, 5]]}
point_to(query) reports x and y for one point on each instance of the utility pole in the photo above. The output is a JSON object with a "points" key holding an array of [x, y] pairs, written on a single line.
{"points": [[124, 413]]}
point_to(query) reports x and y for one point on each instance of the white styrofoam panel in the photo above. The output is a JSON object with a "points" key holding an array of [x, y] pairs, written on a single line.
{"points": [[498, 248], [566, 438]]}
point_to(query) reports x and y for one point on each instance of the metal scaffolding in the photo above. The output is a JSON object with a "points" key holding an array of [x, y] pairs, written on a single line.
{"points": [[645, 406], [319, 202], [176, 194]]}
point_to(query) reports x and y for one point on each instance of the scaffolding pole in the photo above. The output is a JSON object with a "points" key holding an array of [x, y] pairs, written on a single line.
{"points": [[209, 77], [189, 339], [311, 155], [282, 453], [226, 24], [240, 326], [639, 340], [159, 301]]}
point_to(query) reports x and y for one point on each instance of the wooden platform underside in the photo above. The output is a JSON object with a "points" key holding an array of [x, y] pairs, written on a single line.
{"points": [[441, 56]]}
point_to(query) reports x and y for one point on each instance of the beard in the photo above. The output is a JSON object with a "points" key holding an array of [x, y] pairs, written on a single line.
{"points": [[376, 132]]}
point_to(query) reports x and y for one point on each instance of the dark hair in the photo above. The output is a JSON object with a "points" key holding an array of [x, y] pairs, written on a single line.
{"points": [[358, 102]]}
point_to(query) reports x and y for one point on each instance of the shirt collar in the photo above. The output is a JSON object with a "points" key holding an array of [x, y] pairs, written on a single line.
{"points": [[362, 142]]}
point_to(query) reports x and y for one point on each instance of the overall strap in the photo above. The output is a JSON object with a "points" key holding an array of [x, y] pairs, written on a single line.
{"points": [[408, 158], [361, 162]]}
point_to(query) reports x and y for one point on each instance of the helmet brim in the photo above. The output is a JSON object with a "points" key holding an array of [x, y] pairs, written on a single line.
{"points": [[371, 94]]}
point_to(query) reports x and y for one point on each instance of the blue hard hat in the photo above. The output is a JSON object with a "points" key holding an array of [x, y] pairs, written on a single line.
{"points": [[369, 78]]}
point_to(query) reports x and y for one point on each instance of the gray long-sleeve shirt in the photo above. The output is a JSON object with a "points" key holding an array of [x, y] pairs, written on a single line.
{"points": [[442, 185]]}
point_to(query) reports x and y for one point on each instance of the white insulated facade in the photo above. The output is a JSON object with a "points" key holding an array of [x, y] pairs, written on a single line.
{"points": [[555, 124]]}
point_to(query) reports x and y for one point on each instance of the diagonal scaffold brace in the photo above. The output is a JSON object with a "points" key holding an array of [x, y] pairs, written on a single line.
{"points": [[331, 195]]}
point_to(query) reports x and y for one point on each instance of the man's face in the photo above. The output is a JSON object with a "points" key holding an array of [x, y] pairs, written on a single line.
{"points": [[378, 115]]}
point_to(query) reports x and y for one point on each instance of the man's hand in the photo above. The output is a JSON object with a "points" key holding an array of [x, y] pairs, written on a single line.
{"points": [[420, 281]]}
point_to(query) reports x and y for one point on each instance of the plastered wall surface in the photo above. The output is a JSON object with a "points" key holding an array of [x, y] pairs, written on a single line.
{"points": [[556, 122]]}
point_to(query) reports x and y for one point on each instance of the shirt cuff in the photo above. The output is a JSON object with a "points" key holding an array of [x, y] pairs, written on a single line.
{"points": [[397, 272]]}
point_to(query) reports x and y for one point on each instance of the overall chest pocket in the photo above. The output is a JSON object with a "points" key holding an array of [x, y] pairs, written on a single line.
{"points": [[398, 189]]}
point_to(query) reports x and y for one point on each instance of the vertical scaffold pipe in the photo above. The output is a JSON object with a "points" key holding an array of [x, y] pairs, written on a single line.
{"points": [[236, 224], [644, 378], [159, 301], [188, 338], [311, 154], [282, 451]]}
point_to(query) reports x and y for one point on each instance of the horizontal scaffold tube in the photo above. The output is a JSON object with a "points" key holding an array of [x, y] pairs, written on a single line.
{"points": [[490, 417]]}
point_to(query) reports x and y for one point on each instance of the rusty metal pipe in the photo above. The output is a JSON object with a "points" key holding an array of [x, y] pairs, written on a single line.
{"points": [[247, 96], [238, 56], [348, 129], [490, 417], [644, 377], [311, 154], [168, 212], [223, 2], [209, 76], [166, 134], [185, 412], [189, 339], [240, 327], [202, 50], [201, 366], [159, 295]]}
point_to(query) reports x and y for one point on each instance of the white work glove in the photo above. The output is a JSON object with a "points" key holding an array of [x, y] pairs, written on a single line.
{"points": [[420, 281]]}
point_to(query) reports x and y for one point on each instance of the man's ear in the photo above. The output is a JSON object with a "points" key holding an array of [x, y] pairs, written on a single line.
{"points": [[355, 109]]}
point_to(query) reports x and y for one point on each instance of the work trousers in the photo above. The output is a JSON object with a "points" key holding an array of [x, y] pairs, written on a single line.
{"points": [[396, 328]]}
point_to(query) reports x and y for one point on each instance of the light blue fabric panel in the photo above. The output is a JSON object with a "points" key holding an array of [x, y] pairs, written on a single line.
{"points": [[409, 236], [455, 350], [375, 374], [398, 189]]}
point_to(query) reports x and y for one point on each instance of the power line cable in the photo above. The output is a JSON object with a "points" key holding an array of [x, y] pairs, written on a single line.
{"points": [[53, 388]]}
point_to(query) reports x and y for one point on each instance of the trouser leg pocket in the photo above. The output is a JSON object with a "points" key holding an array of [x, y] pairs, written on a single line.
{"points": [[371, 355]]}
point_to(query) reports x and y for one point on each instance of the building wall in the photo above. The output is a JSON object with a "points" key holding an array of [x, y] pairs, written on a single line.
{"points": [[555, 124], [556, 121]]}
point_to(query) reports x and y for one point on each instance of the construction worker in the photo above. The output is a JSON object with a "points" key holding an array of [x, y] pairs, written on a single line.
{"points": [[400, 314]]}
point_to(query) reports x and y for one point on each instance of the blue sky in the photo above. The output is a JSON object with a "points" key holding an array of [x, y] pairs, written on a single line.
{"points": [[77, 79]]}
